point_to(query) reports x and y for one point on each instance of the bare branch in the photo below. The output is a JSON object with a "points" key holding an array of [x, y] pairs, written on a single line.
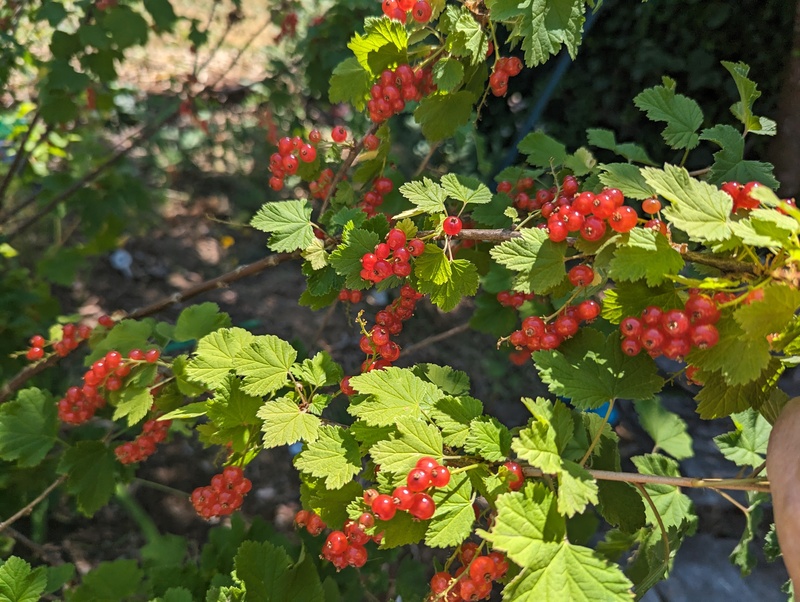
{"points": [[32, 504]]}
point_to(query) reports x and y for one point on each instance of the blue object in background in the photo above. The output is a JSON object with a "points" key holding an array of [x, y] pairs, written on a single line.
{"points": [[613, 419]]}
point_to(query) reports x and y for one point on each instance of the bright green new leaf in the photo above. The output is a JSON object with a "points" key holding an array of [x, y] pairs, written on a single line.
{"points": [[697, 208], [400, 453], [644, 253], [448, 74], [771, 314], [557, 414], [289, 223], [667, 430], [134, 404], [539, 260], [450, 381], [536, 444], [315, 254], [402, 530], [605, 139], [440, 115], [738, 357], [747, 445], [681, 114], [28, 427], [190, 410], [216, 355], [718, 398], [350, 83], [319, 371], [384, 44], [627, 178], [590, 369], [452, 522], [109, 582], [334, 456], [542, 150], [576, 489], [453, 415], [232, 407], [489, 439], [91, 469], [729, 162], [393, 393], [433, 265], [197, 321], [20, 583], [467, 190], [265, 364], [426, 195], [465, 36], [346, 258], [369, 435], [285, 423], [673, 506], [570, 572], [462, 283], [528, 526], [630, 298]]}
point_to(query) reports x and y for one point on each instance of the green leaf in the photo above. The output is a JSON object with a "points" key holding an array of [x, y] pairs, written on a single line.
{"points": [[465, 36], [285, 423], [747, 445], [265, 364], [462, 283], [289, 223], [350, 84], [415, 439], [452, 522], [402, 530], [216, 355], [718, 398], [681, 114], [738, 357], [190, 410], [334, 456], [197, 321], [162, 13], [673, 506], [91, 468], [557, 415], [667, 430], [632, 152], [28, 427], [581, 162], [489, 439], [570, 572], [270, 576], [315, 254], [467, 190], [743, 554], [433, 265], [576, 489], [440, 115], [383, 46], [123, 337], [448, 74], [319, 371], [748, 93], [536, 444], [20, 583], [621, 505], [645, 253], [231, 407], [590, 369], [627, 178], [450, 381], [134, 404], [630, 298], [426, 195], [330, 504], [492, 317], [729, 163], [393, 393], [177, 594], [492, 214], [127, 27], [542, 150], [697, 208], [539, 260], [109, 582], [346, 258], [453, 416], [771, 314]]}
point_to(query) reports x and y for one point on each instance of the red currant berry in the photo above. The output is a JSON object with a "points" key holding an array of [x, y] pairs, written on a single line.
{"points": [[422, 11], [482, 569], [651, 206], [581, 275], [452, 225], [339, 134], [419, 479], [440, 476], [403, 497], [518, 478], [37, 341], [151, 356], [383, 507], [422, 507], [34, 353], [336, 542]]}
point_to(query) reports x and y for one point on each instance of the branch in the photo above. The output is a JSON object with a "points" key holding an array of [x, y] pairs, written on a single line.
{"points": [[32, 504], [651, 479], [436, 338], [18, 157], [345, 166]]}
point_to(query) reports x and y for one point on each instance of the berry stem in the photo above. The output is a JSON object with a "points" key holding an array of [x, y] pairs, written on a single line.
{"points": [[346, 164]]}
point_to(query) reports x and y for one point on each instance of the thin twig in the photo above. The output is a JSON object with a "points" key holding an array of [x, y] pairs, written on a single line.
{"points": [[325, 319], [18, 157], [744, 510], [32, 504], [436, 338], [652, 479], [664, 535], [211, 13], [50, 556], [422, 166], [598, 434], [344, 167], [239, 54], [699, 172]]}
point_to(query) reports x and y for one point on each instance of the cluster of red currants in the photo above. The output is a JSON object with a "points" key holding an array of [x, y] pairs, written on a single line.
{"points": [[310, 521], [72, 335], [391, 257], [587, 213], [674, 332], [346, 547], [320, 187], [144, 446], [520, 193], [537, 335], [374, 197], [350, 296], [411, 497], [80, 403], [395, 88], [504, 68], [473, 579], [290, 152], [224, 495], [382, 351], [741, 195], [396, 10], [513, 298]]}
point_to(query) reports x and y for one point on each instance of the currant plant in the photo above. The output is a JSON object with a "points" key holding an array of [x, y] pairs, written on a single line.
{"points": [[586, 272]]}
